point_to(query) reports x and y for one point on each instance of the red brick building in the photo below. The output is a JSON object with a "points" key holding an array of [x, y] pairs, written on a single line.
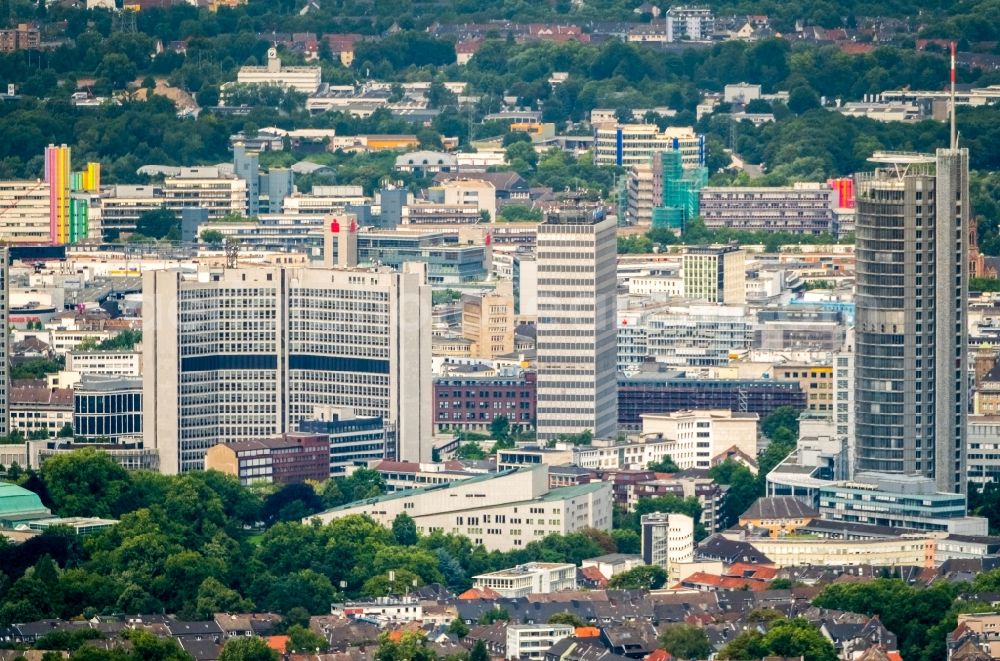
{"points": [[291, 458], [471, 403]]}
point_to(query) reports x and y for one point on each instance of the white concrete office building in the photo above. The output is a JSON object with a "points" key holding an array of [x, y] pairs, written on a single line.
{"points": [[576, 330], [205, 188], [694, 437], [301, 79], [667, 541], [532, 641], [503, 511], [26, 211], [105, 363], [529, 578], [250, 352]]}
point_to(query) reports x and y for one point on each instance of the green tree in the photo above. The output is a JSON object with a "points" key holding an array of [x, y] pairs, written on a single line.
{"points": [[389, 583], [212, 236], [87, 482], [626, 541], [665, 465], [984, 284], [909, 612], [404, 529], [36, 368], [686, 641], [644, 577], [301, 639], [66, 431], [458, 628], [500, 428], [566, 617], [410, 646], [785, 638], [157, 224], [494, 615], [522, 158], [743, 490], [479, 652], [214, 597], [117, 69], [801, 99], [247, 649], [635, 244], [758, 106], [783, 416], [670, 504], [518, 213], [470, 451], [305, 588]]}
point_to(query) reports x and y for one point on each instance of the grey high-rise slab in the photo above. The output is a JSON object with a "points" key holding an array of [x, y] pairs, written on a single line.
{"points": [[912, 286]]}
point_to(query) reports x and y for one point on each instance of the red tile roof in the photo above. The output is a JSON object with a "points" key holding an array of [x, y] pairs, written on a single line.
{"points": [[479, 593], [658, 655], [594, 574], [277, 643], [711, 581], [749, 570]]}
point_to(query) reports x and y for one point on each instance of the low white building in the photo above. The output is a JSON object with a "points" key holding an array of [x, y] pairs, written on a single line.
{"points": [[529, 578], [694, 437], [400, 475], [502, 511], [665, 285], [613, 563], [107, 363], [384, 610], [622, 455], [532, 641], [37, 409], [301, 79]]}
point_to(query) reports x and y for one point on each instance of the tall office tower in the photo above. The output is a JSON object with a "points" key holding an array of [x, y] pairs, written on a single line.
{"points": [[576, 339], [246, 164], [248, 353], [716, 274], [4, 348], [910, 345]]}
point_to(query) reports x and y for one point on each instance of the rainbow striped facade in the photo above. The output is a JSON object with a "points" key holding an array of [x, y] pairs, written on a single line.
{"points": [[69, 213]]}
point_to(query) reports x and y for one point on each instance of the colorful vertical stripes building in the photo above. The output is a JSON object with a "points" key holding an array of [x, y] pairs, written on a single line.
{"points": [[69, 213]]}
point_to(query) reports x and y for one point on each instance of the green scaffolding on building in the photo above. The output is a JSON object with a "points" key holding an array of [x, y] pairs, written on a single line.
{"points": [[680, 192]]}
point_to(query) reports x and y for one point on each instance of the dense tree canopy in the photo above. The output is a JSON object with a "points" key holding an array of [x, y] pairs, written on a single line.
{"points": [[686, 641], [201, 543]]}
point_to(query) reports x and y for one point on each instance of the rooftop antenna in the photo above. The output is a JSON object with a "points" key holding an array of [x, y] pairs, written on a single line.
{"points": [[954, 134], [232, 252]]}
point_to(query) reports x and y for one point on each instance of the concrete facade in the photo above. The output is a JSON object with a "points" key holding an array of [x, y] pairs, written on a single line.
{"points": [[694, 437], [502, 511], [716, 274], [667, 541], [529, 578], [249, 353], [576, 345]]}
